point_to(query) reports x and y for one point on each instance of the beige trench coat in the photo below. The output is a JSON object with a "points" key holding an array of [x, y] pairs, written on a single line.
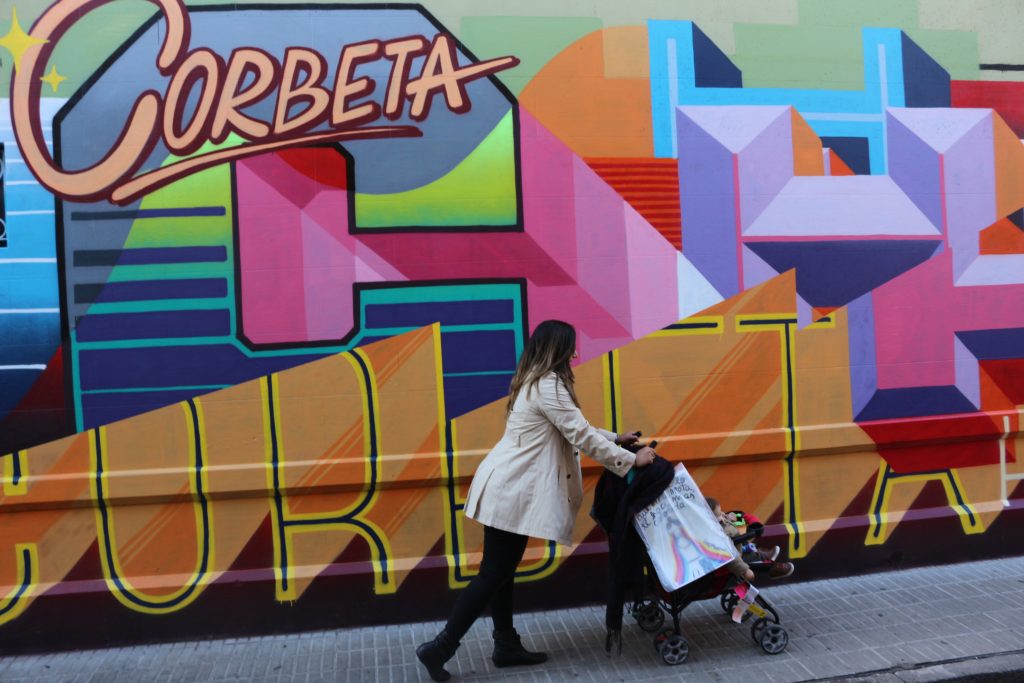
{"points": [[530, 483]]}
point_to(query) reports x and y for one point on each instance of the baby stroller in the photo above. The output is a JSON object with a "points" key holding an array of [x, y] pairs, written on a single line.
{"points": [[669, 641]]}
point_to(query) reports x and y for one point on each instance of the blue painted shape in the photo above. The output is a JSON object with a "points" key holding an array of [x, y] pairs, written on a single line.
{"points": [[926, 83], [837, 113], [463, 394], [472, 312], [1005, 344], [14, 384], [478, 351], [151, 290], [889, 404], [711, 66], [834, 273], [176, 366], [855, 152], [153, 325]]}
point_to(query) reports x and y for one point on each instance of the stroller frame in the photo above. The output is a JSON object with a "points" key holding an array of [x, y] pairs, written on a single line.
{"points": [[669, 642]]}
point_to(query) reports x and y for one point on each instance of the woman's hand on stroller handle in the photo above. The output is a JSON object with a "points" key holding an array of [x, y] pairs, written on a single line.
{"points": [[645, 456], [627, 439]]}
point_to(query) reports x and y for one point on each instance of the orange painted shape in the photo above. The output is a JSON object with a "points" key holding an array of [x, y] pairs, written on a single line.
{"points": [[837, 166], [1009, 164], [651, 186], [807, 154], [591, 113], [1002, 237]]}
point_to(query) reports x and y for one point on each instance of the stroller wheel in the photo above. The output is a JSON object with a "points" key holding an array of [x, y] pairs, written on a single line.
{"points": [[774, 639], [758, 627], [661, 636], [675, 650], [729, 600], [648, 615]]}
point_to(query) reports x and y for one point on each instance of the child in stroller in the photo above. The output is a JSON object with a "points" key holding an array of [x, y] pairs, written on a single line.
{"points": [[735, 524]]}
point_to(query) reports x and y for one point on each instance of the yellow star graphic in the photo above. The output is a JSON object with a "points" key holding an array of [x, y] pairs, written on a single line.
{"points": [[53, 79], [17, 41]]}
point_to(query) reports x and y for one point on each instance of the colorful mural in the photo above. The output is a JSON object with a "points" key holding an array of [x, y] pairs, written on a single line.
{"points": [[266, 270]]}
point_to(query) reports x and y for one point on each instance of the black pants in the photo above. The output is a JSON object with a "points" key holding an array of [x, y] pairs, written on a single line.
{"points": [[494, 584]]}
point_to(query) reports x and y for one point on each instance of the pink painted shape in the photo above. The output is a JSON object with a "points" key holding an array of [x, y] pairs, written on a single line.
{"points": [[328, 268], [548, 202], [597, 332], [917, 314], [298, 259], [653, 277], [600, 227], [586, 255], [270, 258]]}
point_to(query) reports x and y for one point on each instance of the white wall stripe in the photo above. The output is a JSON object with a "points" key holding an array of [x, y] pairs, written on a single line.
{"points": [[25, 311], [5, 261], [22, 367]]}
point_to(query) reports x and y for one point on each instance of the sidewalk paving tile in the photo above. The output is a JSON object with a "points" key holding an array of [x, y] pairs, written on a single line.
{"points": [[921, 620]]}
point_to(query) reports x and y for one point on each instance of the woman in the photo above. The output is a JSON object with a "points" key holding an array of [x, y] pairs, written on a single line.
{"points": [[530, 484]]}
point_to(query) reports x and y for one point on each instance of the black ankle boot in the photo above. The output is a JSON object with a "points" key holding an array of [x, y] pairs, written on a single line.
{"points": [[434, 653], [509, 650]]}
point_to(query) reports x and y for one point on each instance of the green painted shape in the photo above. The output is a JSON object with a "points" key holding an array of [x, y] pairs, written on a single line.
{"points": [[211, 187], [534, 40], [824, 51], [480, 190], [880, 13]]}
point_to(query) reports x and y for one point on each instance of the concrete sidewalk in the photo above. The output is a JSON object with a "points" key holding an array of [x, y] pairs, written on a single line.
{"points": [[963, 621]]}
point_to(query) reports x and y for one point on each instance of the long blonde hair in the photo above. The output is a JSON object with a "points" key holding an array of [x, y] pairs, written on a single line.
{"points": [[549, 349]]}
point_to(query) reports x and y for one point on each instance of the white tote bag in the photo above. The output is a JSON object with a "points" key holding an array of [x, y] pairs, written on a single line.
{"points": [[682, 536]]}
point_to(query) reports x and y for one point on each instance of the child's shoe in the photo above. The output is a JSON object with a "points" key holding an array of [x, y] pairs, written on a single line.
{"points": [[780, 570]]}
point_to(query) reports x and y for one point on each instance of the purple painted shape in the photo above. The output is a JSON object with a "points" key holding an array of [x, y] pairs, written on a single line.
{"points": [[804, 312], [993, 269], [860, 318], [939, 128], [102, 409], [755, 269], [153, 325], [968, 379], [173, 366], [765, 166], [707, 203], [970, 192], [841, 206], [734, 127], [914, 165]]}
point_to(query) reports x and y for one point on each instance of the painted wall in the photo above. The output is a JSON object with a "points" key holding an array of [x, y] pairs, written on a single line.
{"points": [[266, 270]]}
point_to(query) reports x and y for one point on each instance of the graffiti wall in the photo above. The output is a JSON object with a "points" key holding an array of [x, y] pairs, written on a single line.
{"points": [[266, 270]]}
